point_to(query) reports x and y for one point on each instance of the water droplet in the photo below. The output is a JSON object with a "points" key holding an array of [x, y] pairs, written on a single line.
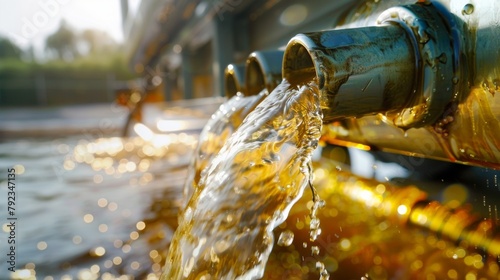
{"points": [[442, 58], [468, 9], [321, 203], [314, 250], [323, 273], [286, 238], [345, 244], [314, 230], [455, 80], [314, 223]]}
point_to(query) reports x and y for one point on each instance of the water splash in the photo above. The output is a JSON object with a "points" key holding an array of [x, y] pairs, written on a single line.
{"points": [[286, 238], [221, 125], [248, 189]]}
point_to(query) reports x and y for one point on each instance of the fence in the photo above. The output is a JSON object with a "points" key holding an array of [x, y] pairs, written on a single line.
{"points": [[45, 90]]}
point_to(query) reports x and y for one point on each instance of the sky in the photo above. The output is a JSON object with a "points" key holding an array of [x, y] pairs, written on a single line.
{"points": [[29, 22]]}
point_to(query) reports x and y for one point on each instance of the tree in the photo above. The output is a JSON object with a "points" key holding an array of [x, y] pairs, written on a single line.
{"points": [[68, 45], [97, 42], [63, 43], [29, 54], [9, 49]]}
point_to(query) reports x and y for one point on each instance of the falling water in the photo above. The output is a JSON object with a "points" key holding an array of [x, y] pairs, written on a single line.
{"points": [[221, 125], [226, 230]]}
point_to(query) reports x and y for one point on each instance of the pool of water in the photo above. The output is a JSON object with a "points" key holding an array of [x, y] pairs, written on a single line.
{"points": [[89, 205]]}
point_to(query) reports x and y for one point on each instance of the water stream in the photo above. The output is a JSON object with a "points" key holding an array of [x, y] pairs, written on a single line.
{"points": [[219, 127], [247, 190]]}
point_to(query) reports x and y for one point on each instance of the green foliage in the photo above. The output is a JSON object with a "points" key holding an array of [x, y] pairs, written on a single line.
{"points": [[62, 44], [90, 65], [94, 66], [68, 45], [9, 49], [80, 68]]}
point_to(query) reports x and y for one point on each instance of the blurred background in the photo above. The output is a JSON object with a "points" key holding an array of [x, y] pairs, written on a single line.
{"points": [[89, 204], [51, 48], [101, 104]]}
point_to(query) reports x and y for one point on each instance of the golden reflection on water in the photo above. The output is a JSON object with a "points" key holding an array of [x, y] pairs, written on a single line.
{"points": [[107, 164], [379, 231]]}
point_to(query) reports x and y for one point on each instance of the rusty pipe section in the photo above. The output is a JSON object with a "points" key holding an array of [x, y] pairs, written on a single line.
{"points": [[419, 79], [395, 67], [360, 71], [263, 71], [234, 79]]}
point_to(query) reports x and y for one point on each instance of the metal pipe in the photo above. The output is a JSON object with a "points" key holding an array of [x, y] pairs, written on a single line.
{"points": [[234, 79], [408, 206], [263, 71], [422, 81], [359, 71], [394, 67]]}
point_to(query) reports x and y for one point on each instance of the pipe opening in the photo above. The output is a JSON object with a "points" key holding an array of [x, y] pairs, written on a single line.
{"points": [[255, 77], [234, 79], [263, 71], [298, 64], [231, 88], [359, 71]]}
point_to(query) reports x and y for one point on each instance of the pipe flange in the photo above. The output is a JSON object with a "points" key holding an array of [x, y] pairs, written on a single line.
{"points": [[434, 57]]}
